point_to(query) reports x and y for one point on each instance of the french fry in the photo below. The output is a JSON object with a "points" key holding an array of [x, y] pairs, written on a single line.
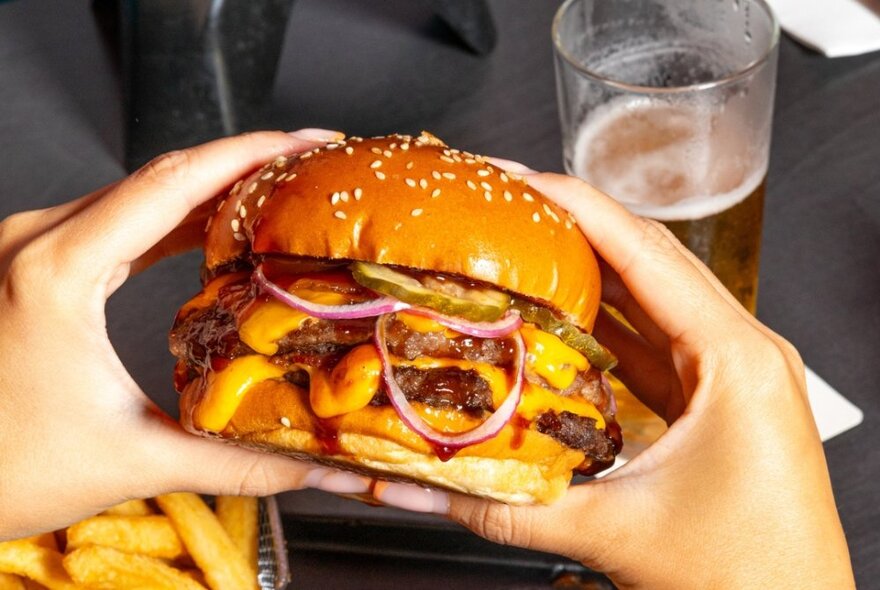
{"points": [[11, 582], [105, 568], [210, 546], [46, 540], [29, 560], [31, 585], [239, 515], [154, 536], [130, 508]]}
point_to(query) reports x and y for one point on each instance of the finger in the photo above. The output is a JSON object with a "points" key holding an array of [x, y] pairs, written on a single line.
{"points": [[542, 528], [188, 235], [616, 294], [147, 205], [646, 371], [184, 462], [665, 283]]}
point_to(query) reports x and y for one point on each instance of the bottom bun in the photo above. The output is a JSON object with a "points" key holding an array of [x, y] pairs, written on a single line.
{"points": [[518, 466]]}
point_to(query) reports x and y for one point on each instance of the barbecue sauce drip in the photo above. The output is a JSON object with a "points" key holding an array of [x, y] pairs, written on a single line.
{"points": [[444, 453], [519, 425], [327, 433]]}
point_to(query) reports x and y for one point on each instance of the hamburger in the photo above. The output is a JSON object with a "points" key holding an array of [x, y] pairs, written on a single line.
{"points": [[404, 310]]}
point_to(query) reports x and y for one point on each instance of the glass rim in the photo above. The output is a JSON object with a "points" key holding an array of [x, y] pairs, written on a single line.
{"points": [[735, 76]]}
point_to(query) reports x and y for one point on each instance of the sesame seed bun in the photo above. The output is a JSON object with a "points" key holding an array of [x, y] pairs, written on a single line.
{"points": [[416, 203]]}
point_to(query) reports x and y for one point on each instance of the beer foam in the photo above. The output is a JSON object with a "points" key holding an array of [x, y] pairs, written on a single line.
{"points": [[649, 182]]}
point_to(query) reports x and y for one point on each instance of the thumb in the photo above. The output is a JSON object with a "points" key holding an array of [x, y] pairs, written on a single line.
{"points": [[584, 525], [182, 462]]}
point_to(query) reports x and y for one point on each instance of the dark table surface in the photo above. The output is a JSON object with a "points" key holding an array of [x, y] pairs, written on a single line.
{"points": [[370, 67]]}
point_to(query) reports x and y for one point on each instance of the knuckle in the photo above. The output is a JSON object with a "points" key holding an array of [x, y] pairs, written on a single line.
{"points": [[256, 479], [168, 169], [498, 523]]}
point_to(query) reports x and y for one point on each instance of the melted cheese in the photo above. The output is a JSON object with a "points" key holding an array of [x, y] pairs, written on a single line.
{"points": [[226, 389], [550, 358], [267, 322], [349, 386], [419, 323]]}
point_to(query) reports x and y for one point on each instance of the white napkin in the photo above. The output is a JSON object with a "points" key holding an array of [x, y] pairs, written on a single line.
{"points": [[833, 27]]}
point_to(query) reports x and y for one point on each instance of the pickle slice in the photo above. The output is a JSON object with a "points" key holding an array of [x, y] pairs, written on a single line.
{"points": [[599, 356], [472, 303]]}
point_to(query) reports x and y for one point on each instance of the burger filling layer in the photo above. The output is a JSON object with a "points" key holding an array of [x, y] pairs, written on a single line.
{"points": [[335, 360]]}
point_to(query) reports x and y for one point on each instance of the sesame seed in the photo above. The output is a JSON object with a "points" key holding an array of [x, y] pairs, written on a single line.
{"points": [[404, 146], [332, 146], [242, 212], [547, 209], [554, 217], [447, 153], [449, 175], [397, 226], [349, 150], [528, 197], [281, 177], [486, 185], [291, 176], [342, 215], [285, 421], [423, 184], [410, 182], [472, 185], [435, 193], [343, 196], [358, 193], [393, 146], [488, 196], [236, 225], [416, 212], [208, 224], [376, 164], [535, 217], [503, 177], [261, 201], [456, 157], [483, 172], [436, 175], [470, 161], [376, 151], [236, 187], [252, 188], [507, 196], [238, 237], [447, 159], [568, 224], [380, 175], [409, 165], [334, 199], [220, 204], [268, 175], [305, 155], [387, 153]]}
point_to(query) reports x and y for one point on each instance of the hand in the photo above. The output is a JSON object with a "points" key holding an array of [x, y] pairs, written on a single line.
{"points": [[77, 434], [736, 493]]}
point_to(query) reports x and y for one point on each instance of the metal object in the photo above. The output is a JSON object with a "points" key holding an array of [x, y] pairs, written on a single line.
{"points": [[273, 571]]}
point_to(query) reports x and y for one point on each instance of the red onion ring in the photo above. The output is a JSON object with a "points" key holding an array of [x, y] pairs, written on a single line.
{"points": [[368, 309], [509, 322], [488, 429]]}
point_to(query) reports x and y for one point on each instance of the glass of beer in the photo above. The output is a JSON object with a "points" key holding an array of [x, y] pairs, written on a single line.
{"points": [[667, 106]]}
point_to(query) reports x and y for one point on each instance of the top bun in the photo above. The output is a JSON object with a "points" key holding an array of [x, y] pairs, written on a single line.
{"points": [[412, 202]]}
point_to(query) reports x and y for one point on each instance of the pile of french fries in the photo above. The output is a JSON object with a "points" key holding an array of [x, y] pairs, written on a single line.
{"points": [[173, 542]]}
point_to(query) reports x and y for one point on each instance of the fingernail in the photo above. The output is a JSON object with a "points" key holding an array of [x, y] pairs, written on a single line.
{"points": [[511, 166], [412, 498], [340, 482], [315, 134]]}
